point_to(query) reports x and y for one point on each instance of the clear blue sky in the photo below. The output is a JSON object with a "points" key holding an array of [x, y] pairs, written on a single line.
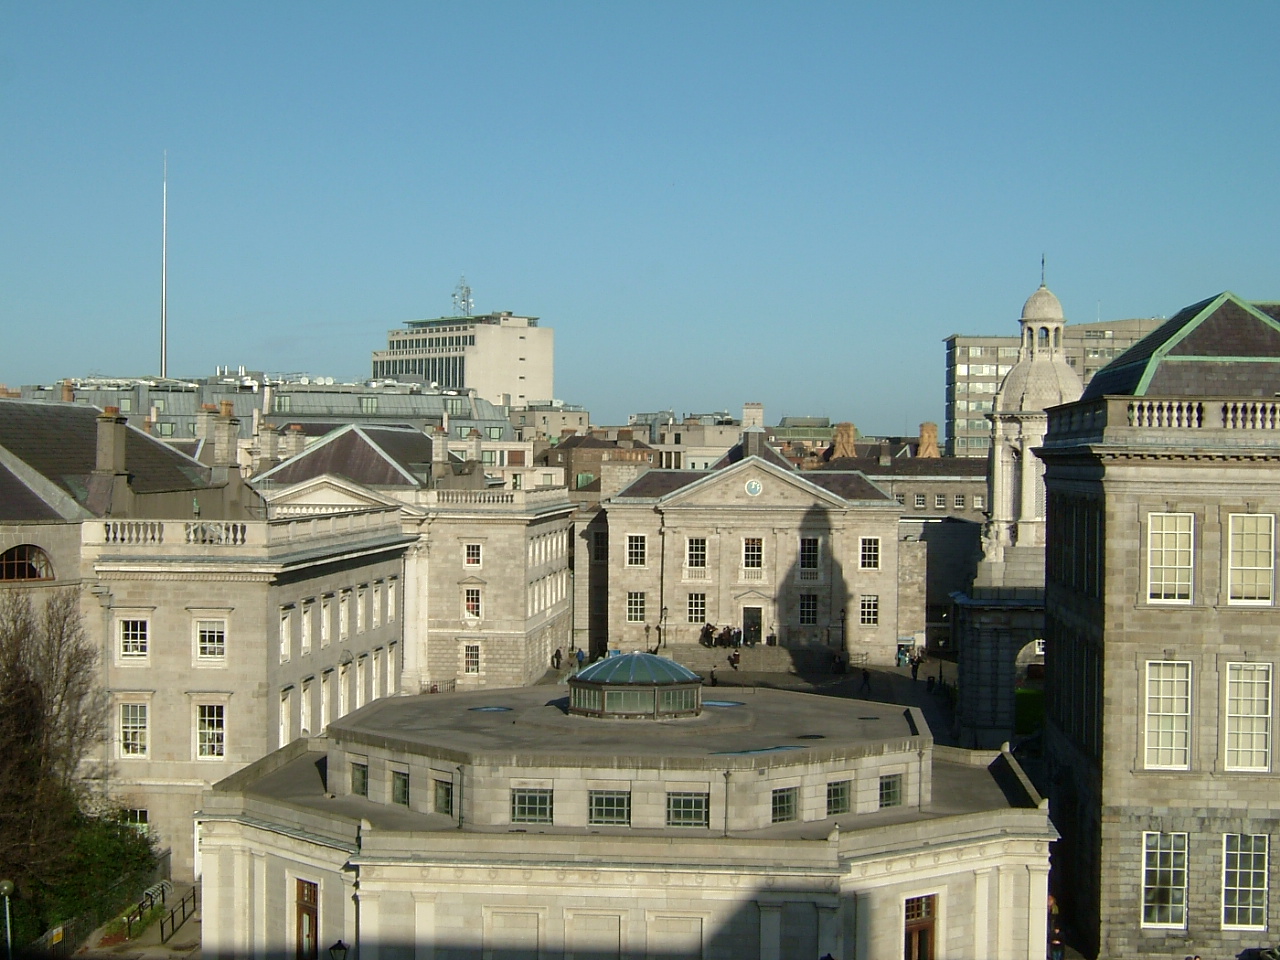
{"points": [[710, 202]]}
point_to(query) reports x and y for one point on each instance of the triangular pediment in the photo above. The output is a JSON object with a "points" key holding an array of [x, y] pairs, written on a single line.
{"points": [[753, 483], [327, 491]]}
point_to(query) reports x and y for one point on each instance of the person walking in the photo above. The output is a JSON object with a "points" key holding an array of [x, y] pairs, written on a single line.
{"points": [[866, 681], [556, 658], [915, 666]]}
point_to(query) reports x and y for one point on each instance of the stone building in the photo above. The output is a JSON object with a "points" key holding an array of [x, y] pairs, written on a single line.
{"points": [[631, 815], [811, 559], [487, 576], [223, 632], [1161, 634]]}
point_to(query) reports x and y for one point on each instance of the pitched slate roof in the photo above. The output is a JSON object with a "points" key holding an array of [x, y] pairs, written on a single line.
{"points": [[911, 466], [658, 483], [735, 453], [374, 456], [848, 485], [59, 441], [1219, 347], [19, 502]]}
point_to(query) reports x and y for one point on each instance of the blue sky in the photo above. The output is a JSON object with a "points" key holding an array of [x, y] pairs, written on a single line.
{"points": [[709, 202]]}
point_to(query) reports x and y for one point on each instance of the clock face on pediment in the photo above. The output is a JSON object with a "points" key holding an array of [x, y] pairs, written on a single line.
{"points": [[754, 487]]}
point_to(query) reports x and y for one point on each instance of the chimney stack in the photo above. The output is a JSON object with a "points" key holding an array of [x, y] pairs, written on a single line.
{"points": [[112, 433], [68, 392], [226, 433], [886, 457]]}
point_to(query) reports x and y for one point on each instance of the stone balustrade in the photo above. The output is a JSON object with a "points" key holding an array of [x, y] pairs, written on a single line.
{"points": [[1170, 421]]}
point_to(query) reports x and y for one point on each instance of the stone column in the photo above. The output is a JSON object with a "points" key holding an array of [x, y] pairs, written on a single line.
{"points": [[982, 915], [770, 930], [1037, 910], [424, 926], [414, 620], [1028, 483], [828, 929]]}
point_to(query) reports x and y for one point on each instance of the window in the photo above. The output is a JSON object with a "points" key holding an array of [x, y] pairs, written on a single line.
{"points": [[979, 501], [839, 797], [472, 555], [688, 809], [636, 546], [697, 608], [400, 787], [368, 405], [786, 804], [599, 546], [133, 639], [1169, 557], [920, 501], [940, 501], [360, 779], [1244, 881], [1168, 741], [344, 614], [1251, 559], [391, 599], [25, 562], [808, 609], [1249, 716], [134, 728], [609, 807], [808, 553], [304, 708], [165, 428], [901, 498], [869, 610], [308, 613], [531, 806], [326, 620], [752, 553], [695, 555], [137, 818], [1164, 880], [891, 790], [211, 731], [495, 433], [211, 639], [286, 632], [869, 553], [919, 917], [471, 603], [362, 595], [471, 658], [444, 797], [635, 606], [958, 501], [283, 403]]}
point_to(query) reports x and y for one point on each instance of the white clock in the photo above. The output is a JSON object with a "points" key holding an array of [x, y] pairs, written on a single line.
{"points": [[754, 487]]}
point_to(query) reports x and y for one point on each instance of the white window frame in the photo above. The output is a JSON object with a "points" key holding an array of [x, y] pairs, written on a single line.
{"points": [[1172, 851], [134, 701], [1175, 549], [750, 562], [939, 501], [1167, 686], [868, 553], [140, 652], [637, 550], [209, 745], [470, 594], [362, 673], [921, 501], [635, 606], [304, 707], [696, 608], [286, 632], [473, 555], [695, 553], [392, 584], [807, 617], [869, 610], [344, 614], [1231, 866], [375, 605], [326, 620], [305, 626], [979, 501], [471, 661], [1261, 572], [1248, 711], [286, 716], [362, 594], [201, 625], [810, 555], [957, 501]]}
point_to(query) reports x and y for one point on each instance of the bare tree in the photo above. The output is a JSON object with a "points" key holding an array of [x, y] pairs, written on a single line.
{"points": [[52, 713]]}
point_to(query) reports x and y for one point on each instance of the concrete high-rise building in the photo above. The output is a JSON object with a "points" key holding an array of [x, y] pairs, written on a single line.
{"points": [[976, 366], [1161, 640], [506, 359]]}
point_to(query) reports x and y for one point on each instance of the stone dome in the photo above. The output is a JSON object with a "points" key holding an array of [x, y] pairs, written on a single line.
{"points": [[1042, 305], [1038, 383]]}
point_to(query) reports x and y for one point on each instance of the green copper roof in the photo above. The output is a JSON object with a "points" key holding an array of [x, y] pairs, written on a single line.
{"points": [[637, 668]]}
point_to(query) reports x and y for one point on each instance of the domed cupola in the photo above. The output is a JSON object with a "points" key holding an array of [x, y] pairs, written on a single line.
{"points": [[1042, 377], [635, 686]]}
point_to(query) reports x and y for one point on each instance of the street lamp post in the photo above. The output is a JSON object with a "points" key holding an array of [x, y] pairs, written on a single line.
{"points": [[844, 645], [662, 628], [6, 891]]}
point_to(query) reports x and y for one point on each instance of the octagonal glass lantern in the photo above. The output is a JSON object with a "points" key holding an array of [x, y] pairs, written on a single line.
{"points": [[635, 686]]}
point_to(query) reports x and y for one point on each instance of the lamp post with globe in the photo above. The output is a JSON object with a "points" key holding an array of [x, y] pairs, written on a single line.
{"points": [[6, 891]]}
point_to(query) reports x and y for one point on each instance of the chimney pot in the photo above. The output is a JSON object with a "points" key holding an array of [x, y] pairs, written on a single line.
{"points": [[225, 408]]}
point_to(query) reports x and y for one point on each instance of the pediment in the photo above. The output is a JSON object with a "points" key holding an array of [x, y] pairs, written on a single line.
{"points": [[754, 483], [326, 491]]}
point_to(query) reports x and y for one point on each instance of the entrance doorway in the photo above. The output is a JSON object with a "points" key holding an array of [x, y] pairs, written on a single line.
{"points": [[752, 618]]}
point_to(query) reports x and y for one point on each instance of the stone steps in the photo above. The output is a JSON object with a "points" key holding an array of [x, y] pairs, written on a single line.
{"points": [[757, 659]]}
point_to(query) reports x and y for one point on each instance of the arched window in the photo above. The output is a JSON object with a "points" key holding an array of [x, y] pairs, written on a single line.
{"points": [[1029, 338], [1043, 340], [25, 562], [1057, 337]]}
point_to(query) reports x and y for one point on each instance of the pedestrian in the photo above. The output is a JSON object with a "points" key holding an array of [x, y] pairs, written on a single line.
{"points": [[866, 681], [734, 658], [714, 681], [582, 657], [556, 658], [915, 667], [1057, 949]]}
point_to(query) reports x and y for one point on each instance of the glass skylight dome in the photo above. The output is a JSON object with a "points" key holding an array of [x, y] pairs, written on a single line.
{"points": [[635, 686]]}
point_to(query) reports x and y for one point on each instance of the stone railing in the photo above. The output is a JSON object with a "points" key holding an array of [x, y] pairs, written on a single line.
{"points": [[187, 538], [511, 499], [1171, 421]]}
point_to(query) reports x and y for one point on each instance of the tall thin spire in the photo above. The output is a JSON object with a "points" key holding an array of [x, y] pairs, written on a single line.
{"points": [[1042, 269], [164, 272]]}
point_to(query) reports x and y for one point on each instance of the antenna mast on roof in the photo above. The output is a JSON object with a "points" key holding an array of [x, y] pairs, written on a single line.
{"points": [[462, 302], [164, 272], [1042, 269]]}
